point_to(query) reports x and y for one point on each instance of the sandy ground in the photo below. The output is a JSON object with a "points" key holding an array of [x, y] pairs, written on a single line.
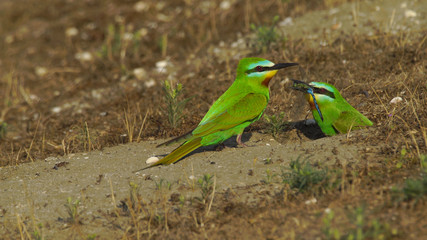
{"points": [[41, 188]]}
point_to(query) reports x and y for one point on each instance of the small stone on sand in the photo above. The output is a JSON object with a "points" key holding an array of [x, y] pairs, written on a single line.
{"points": [[396, 100], [151, 160]]}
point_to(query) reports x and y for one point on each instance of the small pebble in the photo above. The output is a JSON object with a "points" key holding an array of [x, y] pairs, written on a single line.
{"points": [[151, 160], [225, 5], [71, 32], [311, 201], [396, 100], [41, 71], [160, 65], [56, 109], [140, 6], [139, 73], [127, 36], [83, 56], [150, 83], [286, 22], [410, 13]]}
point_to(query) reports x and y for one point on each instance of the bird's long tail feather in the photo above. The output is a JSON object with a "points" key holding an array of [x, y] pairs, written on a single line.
{"points": [[177, 139], [178, 153]]}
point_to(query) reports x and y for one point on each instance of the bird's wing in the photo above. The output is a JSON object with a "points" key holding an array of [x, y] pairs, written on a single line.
{"points": [[248, 108], [351, 119], [226, 100], [229, 98]]}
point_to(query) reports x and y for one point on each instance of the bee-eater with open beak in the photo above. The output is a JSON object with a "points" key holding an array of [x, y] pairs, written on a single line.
{"points": [[242, 104], [331, 111]]}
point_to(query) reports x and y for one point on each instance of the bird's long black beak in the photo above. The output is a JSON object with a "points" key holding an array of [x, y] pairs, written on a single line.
{"points": [[306, 88], [280, 66], [300, 85]]}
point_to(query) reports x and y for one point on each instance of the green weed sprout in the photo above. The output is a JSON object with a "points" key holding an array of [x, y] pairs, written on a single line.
{"points": [[275, 123], [359, 227], [118, 41], [423, 162], [268, 177], [174, 106], [364, 229], [73, 209], [3, 129], [206, 185], [37, 233], [415, 188], [266, 35], [327, 229], [91, 236], [133, 194], [303, 175], [163, 184]]}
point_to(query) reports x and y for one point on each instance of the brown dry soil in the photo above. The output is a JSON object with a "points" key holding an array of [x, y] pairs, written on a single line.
{"points": [[82, 79]]}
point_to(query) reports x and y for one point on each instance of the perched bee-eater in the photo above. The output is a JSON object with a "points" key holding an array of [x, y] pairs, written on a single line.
{"points": [[331, 111], [242, 104]]}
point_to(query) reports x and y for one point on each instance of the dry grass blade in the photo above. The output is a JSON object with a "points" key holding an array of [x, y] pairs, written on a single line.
{"points": [[212, 197]]}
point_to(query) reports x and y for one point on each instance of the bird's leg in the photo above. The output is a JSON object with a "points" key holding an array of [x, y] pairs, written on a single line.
{"points": [[239, 140]]}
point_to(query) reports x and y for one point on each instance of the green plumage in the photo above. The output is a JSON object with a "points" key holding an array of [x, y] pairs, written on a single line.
{"points": [[242, 104], [338, 115]]}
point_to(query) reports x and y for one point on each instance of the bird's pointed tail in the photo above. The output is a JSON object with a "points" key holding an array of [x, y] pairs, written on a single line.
{"points": [[177, 139], [178, 153]]}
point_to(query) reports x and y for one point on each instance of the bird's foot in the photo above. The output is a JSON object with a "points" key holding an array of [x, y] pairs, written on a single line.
{"points": [[241, 144], [239, 141]]}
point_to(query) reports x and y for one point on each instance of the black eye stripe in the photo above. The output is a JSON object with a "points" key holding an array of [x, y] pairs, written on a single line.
{"points": [[256, 69], [324, 91]]}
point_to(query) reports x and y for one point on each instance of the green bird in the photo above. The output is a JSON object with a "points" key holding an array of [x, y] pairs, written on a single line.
{"points": [[331, 111], [242, 104]]}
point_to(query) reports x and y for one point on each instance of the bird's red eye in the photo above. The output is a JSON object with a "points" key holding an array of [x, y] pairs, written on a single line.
{"points": [[259, 68]]}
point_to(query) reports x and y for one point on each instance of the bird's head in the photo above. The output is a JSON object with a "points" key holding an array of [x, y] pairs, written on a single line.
{"points": [[322, 91], [325, 91], [259, 70], [317, 93]]}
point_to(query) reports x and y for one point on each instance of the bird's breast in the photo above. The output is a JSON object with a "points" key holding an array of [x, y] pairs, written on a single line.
{"points": [[268, 77], [310, 101], [266, 81]]}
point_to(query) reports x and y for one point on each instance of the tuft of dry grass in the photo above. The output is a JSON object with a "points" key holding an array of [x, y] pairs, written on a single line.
{"points": [[132, 117]]}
